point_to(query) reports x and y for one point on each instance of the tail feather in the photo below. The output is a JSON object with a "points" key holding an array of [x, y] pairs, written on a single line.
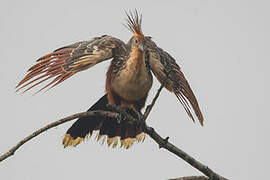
{"points": [[108, 129]]}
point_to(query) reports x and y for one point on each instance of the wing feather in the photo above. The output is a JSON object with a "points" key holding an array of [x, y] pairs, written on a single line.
{"points": [[67, 61], [164, 66]]}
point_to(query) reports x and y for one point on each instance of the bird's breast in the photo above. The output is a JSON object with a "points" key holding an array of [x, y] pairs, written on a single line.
{"points": [[134, 81]]}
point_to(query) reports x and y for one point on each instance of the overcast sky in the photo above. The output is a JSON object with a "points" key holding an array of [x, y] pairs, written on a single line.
{"points": [[221, 46]]}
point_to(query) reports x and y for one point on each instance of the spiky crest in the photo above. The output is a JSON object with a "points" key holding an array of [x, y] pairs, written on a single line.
{"points": [[134, 24]]}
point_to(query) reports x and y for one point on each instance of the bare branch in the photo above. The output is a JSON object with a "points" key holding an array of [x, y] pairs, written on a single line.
{"points": [[150, 106], [191, 178], [54, 124], [163, 143]]}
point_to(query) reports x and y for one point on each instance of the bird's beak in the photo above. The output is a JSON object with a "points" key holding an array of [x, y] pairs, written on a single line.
{"points": [[142, 46]]}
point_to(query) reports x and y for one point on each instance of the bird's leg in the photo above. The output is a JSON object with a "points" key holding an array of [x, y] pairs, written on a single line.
{"points": [[122, 117], [140, 118], [137, 115], [126, 111], [122, 112], [131, 109]]}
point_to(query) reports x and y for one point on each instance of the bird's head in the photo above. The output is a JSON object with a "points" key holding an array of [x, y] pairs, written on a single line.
{"points": [[134, 22]]}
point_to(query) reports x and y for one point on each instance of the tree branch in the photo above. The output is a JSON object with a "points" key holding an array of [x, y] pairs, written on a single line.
{"points": [[54, 124], [150, 106], [191, 178], [163, 143]]}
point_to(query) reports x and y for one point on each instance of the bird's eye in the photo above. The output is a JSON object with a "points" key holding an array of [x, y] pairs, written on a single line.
{"points": [[136, 41]]}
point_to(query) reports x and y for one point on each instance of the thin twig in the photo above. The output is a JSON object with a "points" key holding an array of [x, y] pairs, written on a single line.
{"points": [[150, 106], [54, 124], [191, 178]]}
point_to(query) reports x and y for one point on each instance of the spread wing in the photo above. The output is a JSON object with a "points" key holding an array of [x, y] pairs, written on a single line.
{"points": [[67, 61], [163, 64]]}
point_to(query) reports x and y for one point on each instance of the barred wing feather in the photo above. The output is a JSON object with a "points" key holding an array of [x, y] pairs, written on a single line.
{"points": [[165, 68], [67, 61]]}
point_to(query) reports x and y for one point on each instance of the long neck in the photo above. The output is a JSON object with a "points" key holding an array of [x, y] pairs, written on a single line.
{"points": [[136, 60]]}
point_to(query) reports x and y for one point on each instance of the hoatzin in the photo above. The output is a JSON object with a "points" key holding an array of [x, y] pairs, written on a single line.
{"points": [[128, 82]]}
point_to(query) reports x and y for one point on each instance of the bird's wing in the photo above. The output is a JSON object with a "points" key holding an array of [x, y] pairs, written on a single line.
{"points": [[165, 68], [66, 61]]}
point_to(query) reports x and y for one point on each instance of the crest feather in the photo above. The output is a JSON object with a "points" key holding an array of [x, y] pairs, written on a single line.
{"points": [[134, 23]]}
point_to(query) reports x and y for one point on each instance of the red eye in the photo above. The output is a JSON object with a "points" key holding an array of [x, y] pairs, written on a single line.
{"points": [[136, 41]]}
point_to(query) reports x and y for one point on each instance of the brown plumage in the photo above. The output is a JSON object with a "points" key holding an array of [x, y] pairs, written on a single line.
{"points": [[128, 80]]}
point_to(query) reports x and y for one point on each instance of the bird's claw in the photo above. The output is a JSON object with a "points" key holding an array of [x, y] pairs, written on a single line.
{"points": [[122, 117]]}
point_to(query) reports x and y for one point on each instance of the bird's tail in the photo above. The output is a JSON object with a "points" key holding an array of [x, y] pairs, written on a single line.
{"points": [[106, 129]]}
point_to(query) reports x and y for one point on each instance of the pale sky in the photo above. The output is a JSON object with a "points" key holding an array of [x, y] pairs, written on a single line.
{"points": [[221, 46]]}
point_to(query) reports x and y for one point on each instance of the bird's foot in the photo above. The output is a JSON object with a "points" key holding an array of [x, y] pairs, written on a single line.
{"points": [[124, 112], [122, 117], [137, 115], [121, 111]]}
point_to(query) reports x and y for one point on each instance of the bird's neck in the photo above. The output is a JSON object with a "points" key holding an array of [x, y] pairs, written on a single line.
{"points": [[136, 59]]}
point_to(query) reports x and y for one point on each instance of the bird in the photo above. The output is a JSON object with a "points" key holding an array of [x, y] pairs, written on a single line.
{"points": [[128, 81]]}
